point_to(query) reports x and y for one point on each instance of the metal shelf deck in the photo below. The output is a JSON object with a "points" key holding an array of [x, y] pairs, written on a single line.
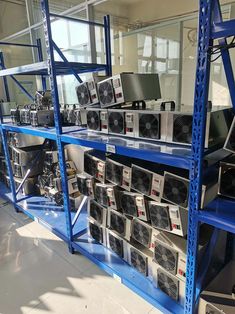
{"points": [[62, 68]]}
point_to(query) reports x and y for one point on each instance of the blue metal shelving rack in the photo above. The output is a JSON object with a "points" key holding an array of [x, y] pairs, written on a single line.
{"points": [[72, 227]]}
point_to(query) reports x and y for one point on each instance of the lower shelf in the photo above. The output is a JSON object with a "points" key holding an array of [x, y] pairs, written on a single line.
{"points": [[121, 271]]}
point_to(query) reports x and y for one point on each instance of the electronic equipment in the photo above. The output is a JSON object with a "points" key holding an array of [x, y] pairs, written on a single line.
{"points": [[117, 244], [23, 140], [168, 217], [87, 91], [113, 192], [119, 223], [227, 177], [169, 284], [54, 195], [85, 184], [143, 233], [96, 231], [26, 155], [147, 182], [94, 164], [75, 201], [179, 128], [52, 157], [97, 212], [128, 87], [230, 141], [44, 117], [140, 258], [43, 99], [15, 116], [176, 190], [72, 185], [219, 296], [25, 115], [116, 121], [97, 119], [29, 186], [118, 171], [101, 195], [134, 205], [20, 171]]}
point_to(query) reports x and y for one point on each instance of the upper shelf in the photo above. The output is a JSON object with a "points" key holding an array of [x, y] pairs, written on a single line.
{"points": [[62, 68]]}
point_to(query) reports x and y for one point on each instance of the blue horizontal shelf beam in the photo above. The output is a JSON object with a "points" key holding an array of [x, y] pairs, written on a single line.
{"points": [[160, 153], [223, 29], [4, 43], [127, 275], [73, 19], [41, 68], [220, 213]]}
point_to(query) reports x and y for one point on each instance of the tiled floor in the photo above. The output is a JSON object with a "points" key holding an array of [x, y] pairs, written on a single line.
{"points": [[39, 276]]}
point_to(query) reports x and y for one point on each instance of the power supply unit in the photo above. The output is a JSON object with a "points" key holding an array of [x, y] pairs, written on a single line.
{"points": [[15, 116], [44, 117], [25, 116], [101, 195], [35, 169], [97, 231], [87, 91], [94, 165], [119, 223], [219, 296], [128, 87], [230, 141], [176, 190], [97, 212], [24, 140], [179, 127], [134, 205], [97, 119], [140, 258], [169, 284], [26, 155], [117, 244], [168, 217], [227, 177], [147, 182], [72, 185], [85, 184], [29, 186], [118, 171], [143, 233]]}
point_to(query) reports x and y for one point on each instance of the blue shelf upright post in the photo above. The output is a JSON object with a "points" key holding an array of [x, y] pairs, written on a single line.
{"points": [[58, 122], [108, 52], [210, 27]]}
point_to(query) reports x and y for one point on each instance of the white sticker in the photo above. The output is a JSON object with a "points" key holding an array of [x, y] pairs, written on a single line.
{"points": [[119, 279], [110, 148]]}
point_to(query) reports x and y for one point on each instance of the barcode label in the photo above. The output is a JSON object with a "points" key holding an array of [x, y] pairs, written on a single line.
{"points": [[110, 149]]}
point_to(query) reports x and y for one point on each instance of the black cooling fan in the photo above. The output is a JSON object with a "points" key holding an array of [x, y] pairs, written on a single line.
{"points": [[118, 223], [176, 190], [141, 180], [106, 94], [159, 217], [116, 245], [90, 165], [168, 285], [182, 129], [114, 173], [128, 205], [96, 232], [166, 258], [101, 195], [149, 126], [93, 120], [116, 122], [96, 212], [141, 233], [227, 183], [82, 187], [139, 262], [83, 94]]}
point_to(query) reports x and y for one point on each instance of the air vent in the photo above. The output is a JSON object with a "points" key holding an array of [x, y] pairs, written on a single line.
{"points": [[118, 223], [182, 129], [142, 233], [168, 284], [149, 126], [83, 95], [141, 180], [116, 122], [128, 204], [166, 258], [159, 216], [93, 120], [116, 245], [139, 261], [106, 93]]}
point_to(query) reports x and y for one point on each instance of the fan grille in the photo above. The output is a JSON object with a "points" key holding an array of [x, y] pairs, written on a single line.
{"points": [[96, 212], [101, 195], [96, 232], [176, 190], [90, 165], [166, 258], [114, 172], [182, 129], [141, 233], [116, 245], [227, 182], [93, 120], [149, 126], [82, 188], [159, 217], [168, 285], [139, 262], [118, 223], [128, 205], [106, 93], [83, 95], [141, 180], [116, 122]]}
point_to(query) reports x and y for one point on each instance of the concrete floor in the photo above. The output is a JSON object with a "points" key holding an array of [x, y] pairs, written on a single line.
{"points": [[39, 276]]}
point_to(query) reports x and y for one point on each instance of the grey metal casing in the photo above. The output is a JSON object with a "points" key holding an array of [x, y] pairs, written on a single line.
{"points": [[42, 117], [23, 156], [25, 116]]}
